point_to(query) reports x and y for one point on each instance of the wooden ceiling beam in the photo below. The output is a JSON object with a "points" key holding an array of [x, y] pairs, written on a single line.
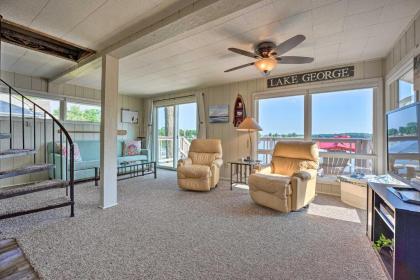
{"points": [[25, 37]]}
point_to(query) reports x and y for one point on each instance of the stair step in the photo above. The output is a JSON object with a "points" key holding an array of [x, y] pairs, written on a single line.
{"points": [[5, 136], [18, 190], [15, 153], [7, 245], [9, 261], [38, 207], [26, 272], [13, 263], [24, 170]]}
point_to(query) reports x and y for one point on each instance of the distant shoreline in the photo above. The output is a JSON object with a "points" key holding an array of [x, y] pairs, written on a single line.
{"points": [[219, 119]]}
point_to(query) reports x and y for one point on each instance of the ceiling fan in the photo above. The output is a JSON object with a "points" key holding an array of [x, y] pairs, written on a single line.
{"points": [[268, 54]]}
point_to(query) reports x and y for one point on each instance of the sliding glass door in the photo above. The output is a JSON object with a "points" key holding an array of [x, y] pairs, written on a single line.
{"points": [[176, 128]]}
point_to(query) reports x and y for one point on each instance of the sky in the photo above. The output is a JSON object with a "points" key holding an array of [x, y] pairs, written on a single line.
{"points": [[187, 116], [405, 89], [333, 112], [402, 118]]}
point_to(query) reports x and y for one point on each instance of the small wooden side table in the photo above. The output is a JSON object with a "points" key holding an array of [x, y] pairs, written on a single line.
{"points": [[242, 170]]}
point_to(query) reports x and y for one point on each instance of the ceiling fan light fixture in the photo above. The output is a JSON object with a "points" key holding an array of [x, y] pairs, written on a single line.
{"points": [[268, 54], [265, 65]]}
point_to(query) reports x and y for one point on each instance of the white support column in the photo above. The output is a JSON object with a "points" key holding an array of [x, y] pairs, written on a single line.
{"points": [[109, 114]]}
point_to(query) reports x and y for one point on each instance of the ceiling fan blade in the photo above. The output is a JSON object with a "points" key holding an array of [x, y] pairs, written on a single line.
{"points": [[294, 59], [289, 44], [242, 52], [239, 67]]}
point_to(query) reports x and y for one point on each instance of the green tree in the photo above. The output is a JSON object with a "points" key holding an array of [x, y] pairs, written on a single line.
{"points": [[56, 113], [74, 113], [91, 115], [392, 131]]}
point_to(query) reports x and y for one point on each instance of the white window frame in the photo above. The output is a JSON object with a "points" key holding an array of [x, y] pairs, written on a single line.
{"points": [[378, 133], [57, 97], [32, 93], [398, 88]]}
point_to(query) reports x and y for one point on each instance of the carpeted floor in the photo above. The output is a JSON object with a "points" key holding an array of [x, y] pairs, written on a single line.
{"points": [[160, 232]]}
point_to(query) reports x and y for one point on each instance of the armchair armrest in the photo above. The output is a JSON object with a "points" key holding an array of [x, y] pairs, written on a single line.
{"points": [[306, 174], [185, 161], [218, 162], [303, 188], [262, 169]]}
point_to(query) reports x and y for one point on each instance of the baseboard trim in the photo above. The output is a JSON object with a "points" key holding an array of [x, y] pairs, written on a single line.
{"points": [[109, 206]]}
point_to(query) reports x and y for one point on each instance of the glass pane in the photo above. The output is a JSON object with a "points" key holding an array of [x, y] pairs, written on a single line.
{"points": [[342, 122], [187, 127], [165, 122], [4, 105], [406, 93], [51, 106], [403, 143], [83, 112], [280, 118], [334, 165]]}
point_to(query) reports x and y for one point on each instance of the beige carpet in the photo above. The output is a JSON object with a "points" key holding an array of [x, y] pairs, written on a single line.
{"points": [[160, 232]]}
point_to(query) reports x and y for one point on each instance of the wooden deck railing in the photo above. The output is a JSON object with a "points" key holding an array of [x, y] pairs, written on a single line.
{"points": [[357, 158], [165, 149]]}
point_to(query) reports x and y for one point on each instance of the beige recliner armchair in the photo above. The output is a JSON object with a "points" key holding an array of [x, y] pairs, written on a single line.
{"points": [[288, 184], [201, 170]]}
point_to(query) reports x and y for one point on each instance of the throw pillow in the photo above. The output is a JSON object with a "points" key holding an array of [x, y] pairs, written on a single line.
{"points": [[66, 152], [132, 148]]}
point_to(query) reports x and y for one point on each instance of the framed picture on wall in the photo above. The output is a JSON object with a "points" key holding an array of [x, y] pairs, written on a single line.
{"points": [[128, 116], [219, 113]]}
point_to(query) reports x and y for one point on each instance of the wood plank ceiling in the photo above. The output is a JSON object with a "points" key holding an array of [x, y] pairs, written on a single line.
{"points": [[337, 31]]}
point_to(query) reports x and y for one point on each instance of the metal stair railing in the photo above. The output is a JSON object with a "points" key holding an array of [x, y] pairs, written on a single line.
{"points": [[15, 95]]}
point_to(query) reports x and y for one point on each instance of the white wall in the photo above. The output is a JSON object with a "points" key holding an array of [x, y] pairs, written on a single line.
{"points": [[403, 49]]}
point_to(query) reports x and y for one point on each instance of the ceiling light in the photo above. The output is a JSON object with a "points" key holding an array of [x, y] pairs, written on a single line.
{"points": [[265, 65]]}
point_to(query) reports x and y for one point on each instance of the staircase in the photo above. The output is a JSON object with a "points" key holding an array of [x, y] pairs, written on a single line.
{"points": [[13, 263], [30, 129]]}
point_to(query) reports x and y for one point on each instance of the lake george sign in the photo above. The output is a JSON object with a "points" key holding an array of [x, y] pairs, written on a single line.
{"points": [[310, 77]]}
